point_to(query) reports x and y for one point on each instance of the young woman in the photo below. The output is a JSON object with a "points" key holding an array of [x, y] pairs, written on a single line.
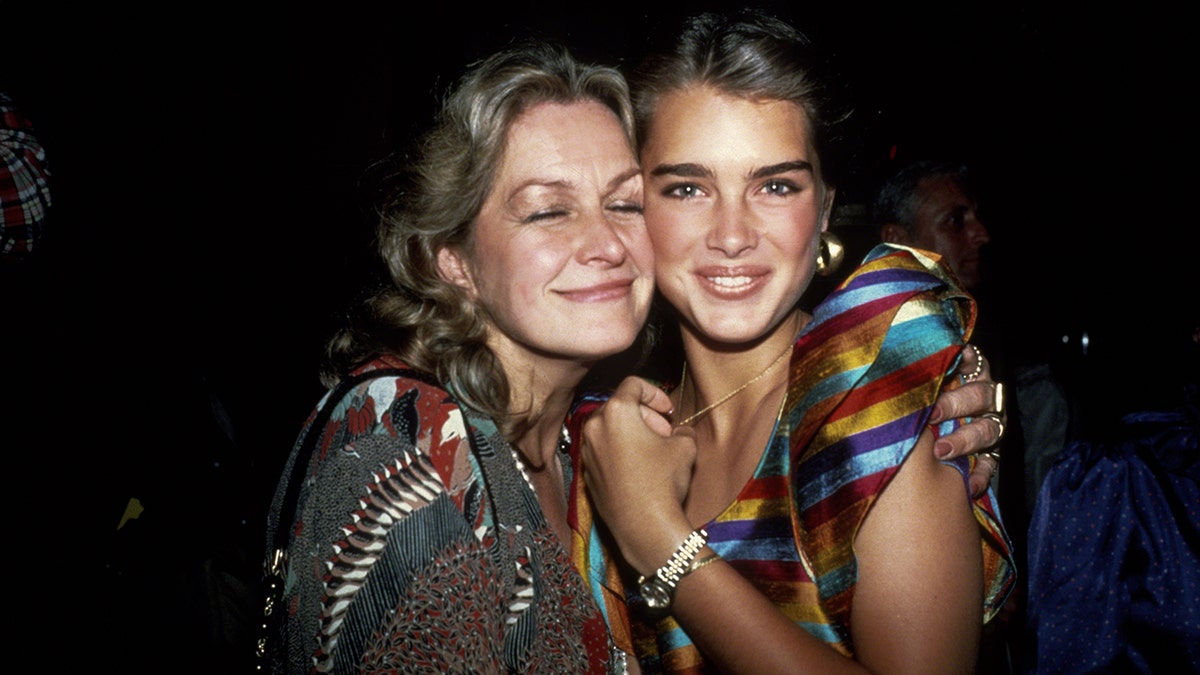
{"points": [[782, 509]]}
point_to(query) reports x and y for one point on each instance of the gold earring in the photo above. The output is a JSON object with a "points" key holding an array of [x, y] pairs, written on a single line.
{"points": [[830, 254]]}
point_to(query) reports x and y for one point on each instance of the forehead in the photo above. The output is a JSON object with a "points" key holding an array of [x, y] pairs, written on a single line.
{"points": [[702, 121], [940, 192], [551, 132]]}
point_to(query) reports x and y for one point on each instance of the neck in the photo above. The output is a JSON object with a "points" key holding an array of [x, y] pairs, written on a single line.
{"points": [[541, 393], [714, 370]]}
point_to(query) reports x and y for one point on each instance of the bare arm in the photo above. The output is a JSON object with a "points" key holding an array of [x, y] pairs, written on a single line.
{"points": [[638, 478], [919, 603], [917, 608], [638, 472], [910, 535]]}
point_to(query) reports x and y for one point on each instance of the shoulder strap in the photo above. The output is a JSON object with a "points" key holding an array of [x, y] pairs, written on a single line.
{"points": [[300, 463]]}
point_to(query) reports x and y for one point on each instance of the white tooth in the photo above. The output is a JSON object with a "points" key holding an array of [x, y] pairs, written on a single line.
{"points": [[730, 282]]}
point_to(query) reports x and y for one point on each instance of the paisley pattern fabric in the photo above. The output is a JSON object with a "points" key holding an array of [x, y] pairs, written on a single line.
{"points": [[863, 378], [419, 548]]}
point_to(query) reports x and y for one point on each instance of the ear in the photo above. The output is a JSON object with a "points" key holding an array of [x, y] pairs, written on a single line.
{"points": [[454, 268], [894, 234], [827, 207]]}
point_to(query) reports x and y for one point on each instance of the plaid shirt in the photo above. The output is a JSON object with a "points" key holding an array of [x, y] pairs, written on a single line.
{"points": [[24, 188]]}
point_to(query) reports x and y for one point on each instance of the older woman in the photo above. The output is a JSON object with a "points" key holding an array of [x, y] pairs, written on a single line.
{"points": [[781, 510], [422, 510]]}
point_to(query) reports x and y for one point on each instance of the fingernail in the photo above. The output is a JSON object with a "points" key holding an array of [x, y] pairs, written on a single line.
{"points": [[935, 415], [977, 487], [943, 449]]}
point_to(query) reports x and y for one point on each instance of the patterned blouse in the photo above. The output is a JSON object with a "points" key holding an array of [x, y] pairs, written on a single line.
{"points": [[863, 378], [417, 547]]}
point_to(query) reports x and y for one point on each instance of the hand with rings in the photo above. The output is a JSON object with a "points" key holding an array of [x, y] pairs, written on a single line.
{"points": [[980, 404]]}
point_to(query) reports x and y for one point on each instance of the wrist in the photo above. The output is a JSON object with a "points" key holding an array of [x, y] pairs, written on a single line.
{"points": [[651, 543], [658, 588]]}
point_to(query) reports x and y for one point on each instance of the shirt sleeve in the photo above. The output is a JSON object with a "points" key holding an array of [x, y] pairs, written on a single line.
{"points": [[880, 350]]}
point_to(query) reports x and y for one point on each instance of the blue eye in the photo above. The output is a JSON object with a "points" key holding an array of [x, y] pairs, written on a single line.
{"points": [[779, 187], [682, 191]]}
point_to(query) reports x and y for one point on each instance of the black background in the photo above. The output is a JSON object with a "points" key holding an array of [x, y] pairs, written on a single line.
{"points": [[206, 233]]}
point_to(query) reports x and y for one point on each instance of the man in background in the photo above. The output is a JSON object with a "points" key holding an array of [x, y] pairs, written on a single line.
{"points": [[932, 205]]}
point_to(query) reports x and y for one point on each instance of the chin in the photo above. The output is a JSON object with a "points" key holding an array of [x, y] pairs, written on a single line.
{"points": [[734, 333], [602, 344]]}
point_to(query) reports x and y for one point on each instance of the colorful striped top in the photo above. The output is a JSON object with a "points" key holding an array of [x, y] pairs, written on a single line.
{"points": [[863, 378]]}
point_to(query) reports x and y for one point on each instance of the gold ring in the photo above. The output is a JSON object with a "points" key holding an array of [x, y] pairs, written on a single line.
{"points": [[993, 455], [999, 422], [998, 398]]}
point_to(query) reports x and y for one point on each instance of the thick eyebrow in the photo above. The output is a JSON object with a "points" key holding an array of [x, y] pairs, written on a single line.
{"points": [[782, 167], [685, 170], [688, 170]]}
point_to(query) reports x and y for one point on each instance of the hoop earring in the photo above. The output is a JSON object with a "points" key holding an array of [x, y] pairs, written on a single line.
{"points": [[830, 254]]}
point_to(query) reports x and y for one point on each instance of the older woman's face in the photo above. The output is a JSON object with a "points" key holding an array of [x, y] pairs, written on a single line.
{"points": [[734, 206], [560, 257]]}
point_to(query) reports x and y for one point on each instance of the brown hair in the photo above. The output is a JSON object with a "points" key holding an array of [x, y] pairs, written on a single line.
{"points": [[752, 55]]}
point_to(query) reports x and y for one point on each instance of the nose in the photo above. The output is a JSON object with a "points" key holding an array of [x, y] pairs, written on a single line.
{"points": [[602, 243], [733, 232], [977, 233]]}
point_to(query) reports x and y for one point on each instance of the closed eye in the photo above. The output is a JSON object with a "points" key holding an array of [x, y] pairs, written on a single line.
{"points": [[542, 216], [626, 207]]}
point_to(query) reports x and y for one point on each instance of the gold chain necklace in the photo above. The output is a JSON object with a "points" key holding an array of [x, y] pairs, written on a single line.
{"points": [[696, 415]]}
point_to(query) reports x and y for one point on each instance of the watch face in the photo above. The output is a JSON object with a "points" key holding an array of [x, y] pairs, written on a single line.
{"points": [[656, 593]]}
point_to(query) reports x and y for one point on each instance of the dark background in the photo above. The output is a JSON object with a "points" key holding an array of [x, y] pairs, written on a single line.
{"points": [[206, 233]]}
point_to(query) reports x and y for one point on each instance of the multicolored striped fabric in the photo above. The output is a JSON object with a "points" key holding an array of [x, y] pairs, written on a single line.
{"points": [[863, 379]]}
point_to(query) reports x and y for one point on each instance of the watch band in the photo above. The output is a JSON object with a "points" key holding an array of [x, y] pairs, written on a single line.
{"points": [[659, 588]]}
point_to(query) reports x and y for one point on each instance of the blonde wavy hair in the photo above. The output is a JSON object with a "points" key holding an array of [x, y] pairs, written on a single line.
{"points": [[432, 202]]}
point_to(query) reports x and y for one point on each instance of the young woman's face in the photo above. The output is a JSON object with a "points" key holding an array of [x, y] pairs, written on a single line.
{"points": [[735, 206], [560, 258]]}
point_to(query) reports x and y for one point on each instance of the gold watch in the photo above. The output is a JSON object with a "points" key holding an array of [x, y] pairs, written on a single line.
{"points": [[658, 590]]}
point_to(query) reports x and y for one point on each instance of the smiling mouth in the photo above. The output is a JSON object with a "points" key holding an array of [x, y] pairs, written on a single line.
{"points": [[612, 290], [731, 283]]}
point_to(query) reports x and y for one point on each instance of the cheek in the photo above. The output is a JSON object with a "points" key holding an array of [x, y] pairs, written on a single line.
{"points": [[669, 229], [809, 240], [534, 268], [810, 218], [799, 243], [514, 275], [637, 242]]}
